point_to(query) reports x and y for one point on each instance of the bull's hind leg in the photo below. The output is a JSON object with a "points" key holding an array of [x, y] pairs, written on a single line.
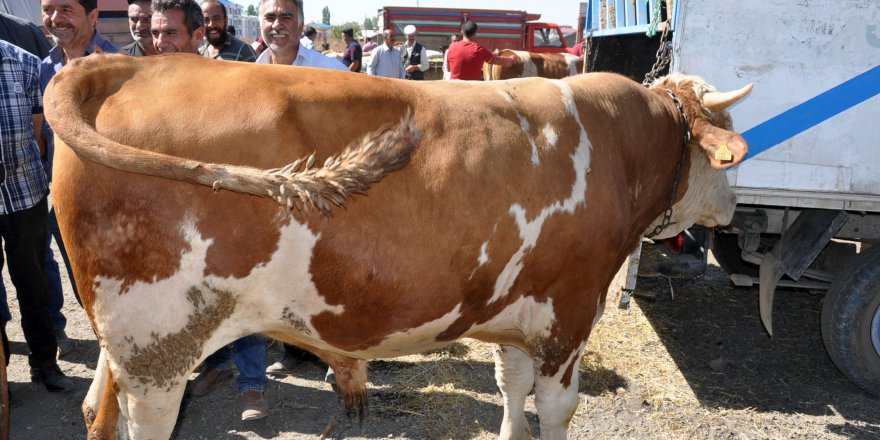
{"points": [[152, 412], [100, 407], [515, 374], [556, 397], [92, 401]]}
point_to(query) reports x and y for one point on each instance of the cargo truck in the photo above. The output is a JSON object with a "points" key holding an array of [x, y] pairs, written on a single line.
{"points": [[498, 29], [808, 213]]}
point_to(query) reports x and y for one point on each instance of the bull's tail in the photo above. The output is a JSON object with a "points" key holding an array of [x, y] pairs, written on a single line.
{"points": [[360, 165]]}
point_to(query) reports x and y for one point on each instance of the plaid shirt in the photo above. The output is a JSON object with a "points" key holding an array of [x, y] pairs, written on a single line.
{"points": [[50, 66], [22, 180]]}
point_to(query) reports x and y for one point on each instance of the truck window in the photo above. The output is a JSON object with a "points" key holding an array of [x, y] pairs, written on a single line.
{"points": [[547, 37]]}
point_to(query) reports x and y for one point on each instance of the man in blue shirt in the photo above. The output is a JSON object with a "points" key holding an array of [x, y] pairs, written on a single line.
{"points": [[353, 54], [72, 23], [23, 191]]}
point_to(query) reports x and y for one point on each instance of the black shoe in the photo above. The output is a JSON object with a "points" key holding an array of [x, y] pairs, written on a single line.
{"points": [[65, 345], [61, 337], [52, 378]]}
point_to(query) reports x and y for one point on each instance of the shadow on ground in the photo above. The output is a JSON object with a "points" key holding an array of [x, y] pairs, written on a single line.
{"points": [[714, 334], [406, 399]]}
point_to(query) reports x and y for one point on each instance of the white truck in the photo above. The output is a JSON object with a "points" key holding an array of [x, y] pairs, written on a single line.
{"points": [[809, 194]]}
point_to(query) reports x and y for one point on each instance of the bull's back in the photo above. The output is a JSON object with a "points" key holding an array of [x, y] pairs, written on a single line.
{"points": [[428, 243]]}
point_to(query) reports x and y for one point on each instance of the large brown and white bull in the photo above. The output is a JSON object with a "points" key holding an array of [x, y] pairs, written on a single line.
{"points": [[531, 64], [496, 211]]}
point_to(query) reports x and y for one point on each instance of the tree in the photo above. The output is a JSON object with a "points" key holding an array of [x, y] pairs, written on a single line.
{"points": [[326, 15], [251, 10], [336, 31], [368, 23]]}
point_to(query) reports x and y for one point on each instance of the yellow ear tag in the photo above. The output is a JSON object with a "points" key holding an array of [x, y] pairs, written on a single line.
{"points": [[723, 153]]}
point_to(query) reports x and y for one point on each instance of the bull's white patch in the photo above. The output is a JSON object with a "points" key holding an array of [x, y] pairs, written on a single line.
{"points": [[118, 313], [530, 69], [283, 281], [483, 259], [122, 426], [526, 317], [709, 201], [600, 309], [92, 401], [529, 231], [506, 95], [550, 135], [556, 403], [534, 319], [572, 61], [526, 127], [414, 340]]}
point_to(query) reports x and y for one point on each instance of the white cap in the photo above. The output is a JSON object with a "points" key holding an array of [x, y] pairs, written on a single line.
{"points": [[409, 29]]}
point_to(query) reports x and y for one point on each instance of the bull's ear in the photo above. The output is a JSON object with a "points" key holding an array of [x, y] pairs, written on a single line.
{"points": [[724, 148]]}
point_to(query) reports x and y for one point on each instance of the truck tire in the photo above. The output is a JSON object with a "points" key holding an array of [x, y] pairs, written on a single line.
{"points": [[727, 253], [851, 321]]}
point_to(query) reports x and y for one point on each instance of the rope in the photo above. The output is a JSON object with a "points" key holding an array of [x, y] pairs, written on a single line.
{"points": [[655, 21]]}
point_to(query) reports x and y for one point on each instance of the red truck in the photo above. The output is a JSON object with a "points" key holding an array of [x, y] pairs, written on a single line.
{"points": [[498, 29]]}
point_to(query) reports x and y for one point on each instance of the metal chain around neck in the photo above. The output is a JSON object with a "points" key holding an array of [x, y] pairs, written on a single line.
{"points": [[667, 215]]}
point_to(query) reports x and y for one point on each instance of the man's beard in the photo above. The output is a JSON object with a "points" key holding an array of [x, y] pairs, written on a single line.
{"points": [[218, 41]]}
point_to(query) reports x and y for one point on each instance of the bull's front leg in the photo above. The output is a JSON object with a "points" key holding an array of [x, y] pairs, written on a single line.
{"points": [[556, 395], [515, 375]]}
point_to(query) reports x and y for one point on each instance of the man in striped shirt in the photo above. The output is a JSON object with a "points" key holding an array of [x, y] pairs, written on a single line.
{"points": [[221, 44]]}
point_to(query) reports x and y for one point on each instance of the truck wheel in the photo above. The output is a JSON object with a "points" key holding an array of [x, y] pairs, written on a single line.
{"points": [[851, 321], [727, 253]]}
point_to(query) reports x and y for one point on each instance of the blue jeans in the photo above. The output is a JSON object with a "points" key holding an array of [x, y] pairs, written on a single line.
{"points": [[53, 279], [5, 316], [53, 275], [250, 357]]}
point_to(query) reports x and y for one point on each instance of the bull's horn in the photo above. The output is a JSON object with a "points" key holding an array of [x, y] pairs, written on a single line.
{"points": [[718, 101]]}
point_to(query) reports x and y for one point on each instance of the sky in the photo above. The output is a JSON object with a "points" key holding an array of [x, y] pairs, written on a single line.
{"points": [[561, 12]]}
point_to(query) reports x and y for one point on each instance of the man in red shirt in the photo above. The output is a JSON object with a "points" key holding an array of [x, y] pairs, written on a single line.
{"points": [[466, 58]]}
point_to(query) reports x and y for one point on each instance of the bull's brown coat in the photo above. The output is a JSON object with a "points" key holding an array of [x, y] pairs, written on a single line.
{"points": [[405, 254]]}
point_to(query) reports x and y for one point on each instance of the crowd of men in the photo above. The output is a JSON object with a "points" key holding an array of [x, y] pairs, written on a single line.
{"points": [[27, 225]]}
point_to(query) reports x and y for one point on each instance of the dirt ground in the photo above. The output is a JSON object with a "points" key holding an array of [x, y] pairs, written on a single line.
{"points": [[689, 360]]}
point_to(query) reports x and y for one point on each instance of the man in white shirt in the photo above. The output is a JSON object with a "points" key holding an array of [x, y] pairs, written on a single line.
{"points": [[454, 38], [386, 59], [308, 39], [280, 24], [413, 54]]}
